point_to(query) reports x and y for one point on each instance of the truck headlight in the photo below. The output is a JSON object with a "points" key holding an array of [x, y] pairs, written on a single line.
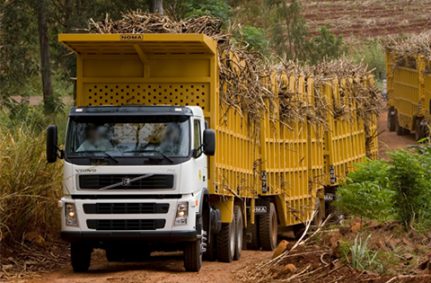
{"points": [[70, 214], [182, 213]]}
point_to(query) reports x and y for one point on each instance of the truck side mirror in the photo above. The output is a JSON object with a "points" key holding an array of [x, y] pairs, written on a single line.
{"points": [[51, 143], [209, 142]]}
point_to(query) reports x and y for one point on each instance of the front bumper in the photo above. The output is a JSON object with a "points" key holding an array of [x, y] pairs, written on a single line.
{"points": [[153, 236], [84, 228]]}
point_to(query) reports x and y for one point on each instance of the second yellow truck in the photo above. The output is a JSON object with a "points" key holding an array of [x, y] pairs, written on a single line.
{"points": [[409, 94]]}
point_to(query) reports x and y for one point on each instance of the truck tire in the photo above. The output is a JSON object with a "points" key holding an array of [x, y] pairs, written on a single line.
{"points": [[268, 229], [80, 255], [211, 247], [420, 130], [253, 236], [239, 232], [193, 256], [226, 242], [398, 129], [391, 119]]}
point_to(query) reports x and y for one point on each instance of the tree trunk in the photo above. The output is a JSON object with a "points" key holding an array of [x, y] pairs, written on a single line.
{"points": [[45, 66], [68, 15], [157, 7]]}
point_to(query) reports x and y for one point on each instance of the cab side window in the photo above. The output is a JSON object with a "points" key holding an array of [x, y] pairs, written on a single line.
{"points": [[197, 136]]}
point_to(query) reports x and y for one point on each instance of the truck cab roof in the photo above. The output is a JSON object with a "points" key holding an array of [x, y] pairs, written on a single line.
{"points": [[136, 111]]}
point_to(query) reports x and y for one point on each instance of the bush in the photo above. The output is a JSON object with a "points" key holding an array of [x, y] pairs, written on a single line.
{"points": [[410, 176], [253, 38], [371, 53], [396, 189], [366, 192], [326, 45]]}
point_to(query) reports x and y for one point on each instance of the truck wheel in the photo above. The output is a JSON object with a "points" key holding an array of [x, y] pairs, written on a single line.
{"points": [[398, 129], [80, 255], [252, 235], [391, 119], [193, 256], [268, 229], [210, 253], [226, 242], [420, 130], [239, 232], [211, 248]]}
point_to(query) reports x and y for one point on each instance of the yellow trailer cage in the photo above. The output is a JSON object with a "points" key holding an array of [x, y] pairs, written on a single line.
{"points": [[292, 154]]}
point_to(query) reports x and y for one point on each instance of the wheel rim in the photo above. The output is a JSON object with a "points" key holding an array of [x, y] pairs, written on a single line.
{"points": [[232, 239], [274, 230]]}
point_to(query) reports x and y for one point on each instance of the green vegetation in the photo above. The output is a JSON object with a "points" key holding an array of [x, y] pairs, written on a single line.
{"points": [[410, 177], [29, 187], [367, 193], [398, 189], [371, 53], [362, 257], [31, 55]]}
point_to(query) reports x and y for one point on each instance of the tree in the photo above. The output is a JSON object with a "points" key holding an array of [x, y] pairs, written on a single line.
{"points": [[45, 64], [157, 7]]}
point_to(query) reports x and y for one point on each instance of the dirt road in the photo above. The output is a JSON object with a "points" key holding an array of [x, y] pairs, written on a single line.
{"points": [[163, 268]]}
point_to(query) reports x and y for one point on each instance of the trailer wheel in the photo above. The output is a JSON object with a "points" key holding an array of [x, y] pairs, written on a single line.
{"points": [[80, 255], [252, 236], [391, 119], [193, 256], [226, 242], [398, 129], [420, 130], [268, 229], [239, 232]]}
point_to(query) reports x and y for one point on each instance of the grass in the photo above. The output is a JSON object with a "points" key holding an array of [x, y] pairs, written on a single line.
{"points": [[363, 258], [29, 186]]}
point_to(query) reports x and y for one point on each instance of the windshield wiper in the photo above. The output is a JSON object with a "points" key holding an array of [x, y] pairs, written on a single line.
{"points": [[110, 156], [158, 152]]}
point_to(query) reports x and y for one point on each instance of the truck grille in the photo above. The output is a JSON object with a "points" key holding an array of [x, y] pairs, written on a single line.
{"points": [[126, 224], [125, 208], [125, 181]]}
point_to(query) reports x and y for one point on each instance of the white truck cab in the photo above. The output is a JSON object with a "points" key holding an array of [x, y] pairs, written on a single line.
{"points": [[134, 181]]}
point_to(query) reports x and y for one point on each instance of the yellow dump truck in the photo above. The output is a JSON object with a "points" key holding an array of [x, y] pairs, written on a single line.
{"points": [[409, 94], [154, 159]]}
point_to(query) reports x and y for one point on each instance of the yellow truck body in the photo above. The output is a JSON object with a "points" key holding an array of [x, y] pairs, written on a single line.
{"points": [[288, 164], [409, 94]]}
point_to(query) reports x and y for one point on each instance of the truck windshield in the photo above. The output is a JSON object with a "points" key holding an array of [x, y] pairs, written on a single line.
{"points": [[128, 137]]}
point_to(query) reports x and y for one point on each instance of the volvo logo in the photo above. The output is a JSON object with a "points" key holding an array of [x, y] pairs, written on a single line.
{"points": [[125, 182]]}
